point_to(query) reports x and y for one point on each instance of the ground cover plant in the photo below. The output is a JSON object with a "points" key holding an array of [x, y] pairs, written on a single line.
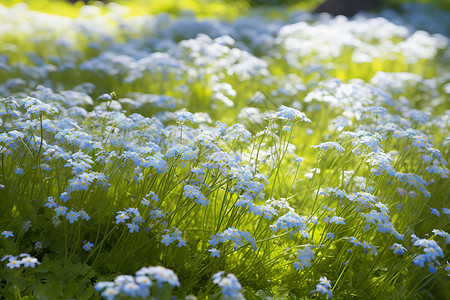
{"points": [[271, 156]]}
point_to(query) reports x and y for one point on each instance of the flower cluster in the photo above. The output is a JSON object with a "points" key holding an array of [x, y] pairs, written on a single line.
{"points": [[328, 145], [305, 257], [167, 239], [238, 238], [231, 288], [323, 287], [139, 285], [292, 222], [367, 248], [431, 251], [25, 260], [290, 114], [193, 192], [96, 144], [134, 222]]}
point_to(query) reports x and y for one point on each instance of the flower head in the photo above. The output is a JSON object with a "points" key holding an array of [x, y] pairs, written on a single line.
{"points": [[7, 234], [87, 246], [214, 252], [398, 248]]}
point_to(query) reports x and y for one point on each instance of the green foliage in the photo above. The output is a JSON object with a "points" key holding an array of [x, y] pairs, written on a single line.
{"points": [[391, 104]]}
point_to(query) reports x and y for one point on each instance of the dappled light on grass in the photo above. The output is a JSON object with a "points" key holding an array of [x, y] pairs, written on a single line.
{"points": [[158, 156]]}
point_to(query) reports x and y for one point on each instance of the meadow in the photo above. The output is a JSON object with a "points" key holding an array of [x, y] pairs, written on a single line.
{"points": [[223, 152]]}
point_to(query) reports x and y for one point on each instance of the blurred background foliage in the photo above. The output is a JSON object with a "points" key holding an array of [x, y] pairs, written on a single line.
{"points": [[225, 9]]}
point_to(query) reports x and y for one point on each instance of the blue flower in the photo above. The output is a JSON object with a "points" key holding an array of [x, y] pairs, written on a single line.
{"points": [[130, 289], [26, 225], [434, 211], [291, 221], [214, 252], [87, 246], [419, 260], [153, 196], [161, 275], [183, 116], [372, 217], [121, 217], [104, 97], [36, 107], [431, 251], [398, 248], [103, 284], [299, 160], [330, 235], [201, 199], [50, 203], [133, 227], [143, 291], [188, 154], [442, 172], [7, 234], [337, 220], [37, 246], [354, 241], [446, 211], [110, 292], [166, 240], [18, 171], [84, 215], [72, 216], [28, 261], [175, 236], [239, 133], [443, 234], [231, 288], [60, 210], [78, 184], [305, 257], [13, 262], [236, 236], [157, 214], [198, 171], [143, 281], [326, 145], [64, 196], [191, 191], [324, 287], [291, 114]]}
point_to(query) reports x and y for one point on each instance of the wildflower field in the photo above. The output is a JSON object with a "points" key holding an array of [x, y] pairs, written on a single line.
{"points": [[255, 153]]}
